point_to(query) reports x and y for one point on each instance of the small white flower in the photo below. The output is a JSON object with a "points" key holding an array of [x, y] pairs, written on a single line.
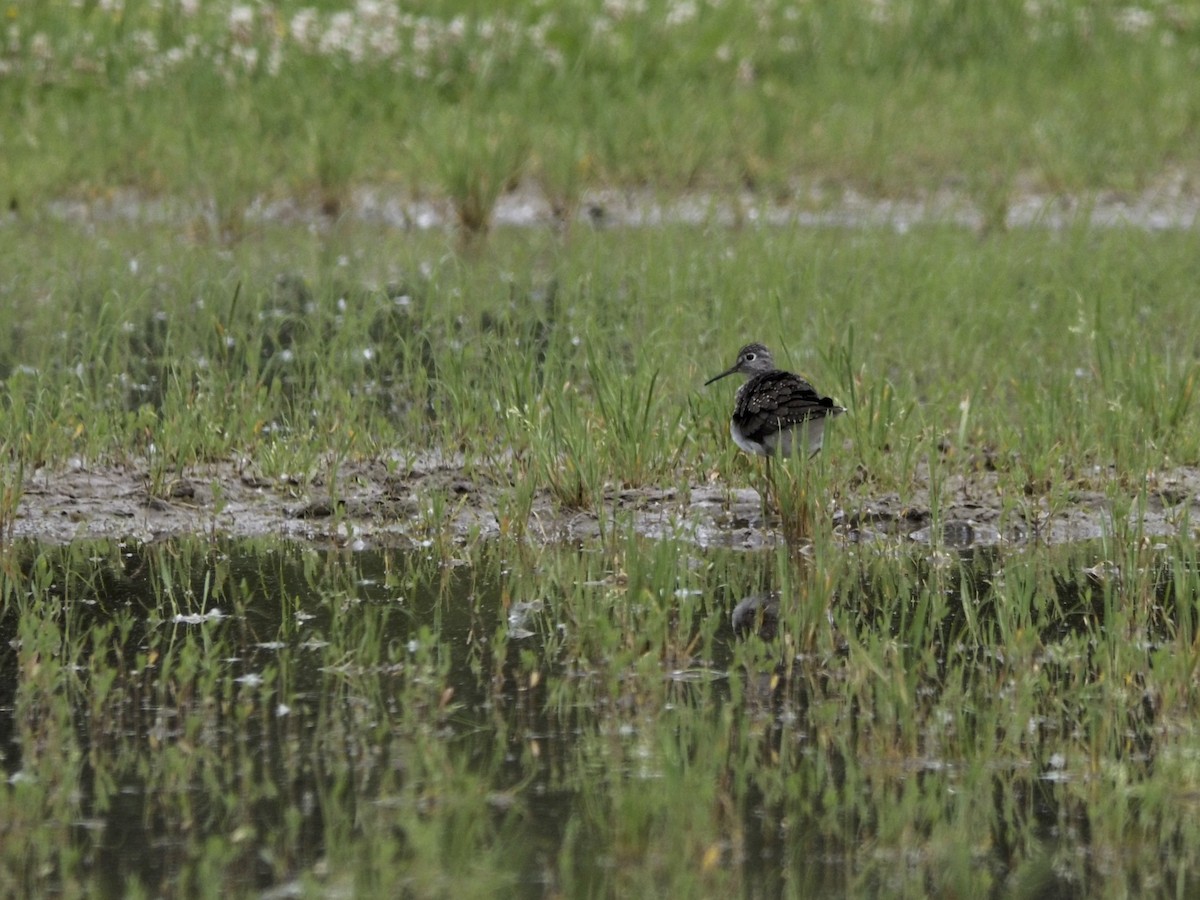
{"points": [[241, 23], [246, 57], [1134, 20], [39, 46], [303, 26], [681, 12]]}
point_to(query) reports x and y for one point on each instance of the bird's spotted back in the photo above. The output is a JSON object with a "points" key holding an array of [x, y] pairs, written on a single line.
{"points": [[777, 400]]}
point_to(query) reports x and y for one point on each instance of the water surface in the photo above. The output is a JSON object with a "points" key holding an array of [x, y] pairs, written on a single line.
{"points": [[237, 717]]}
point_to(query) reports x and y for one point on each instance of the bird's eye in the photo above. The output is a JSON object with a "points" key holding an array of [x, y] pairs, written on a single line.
{"points": [[751, 356]]}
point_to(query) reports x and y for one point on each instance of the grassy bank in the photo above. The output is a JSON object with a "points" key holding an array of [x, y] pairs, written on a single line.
{"points": [[1059, 360]]}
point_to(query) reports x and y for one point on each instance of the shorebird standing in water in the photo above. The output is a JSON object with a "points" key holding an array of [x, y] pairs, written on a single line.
{"points": [[775, 412]]}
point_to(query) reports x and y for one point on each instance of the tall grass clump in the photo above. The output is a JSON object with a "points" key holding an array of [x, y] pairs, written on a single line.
{"points": [[610, 430], [477, 156]]}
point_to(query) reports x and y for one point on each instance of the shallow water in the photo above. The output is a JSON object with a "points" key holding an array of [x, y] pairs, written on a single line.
{"points": [[1166, 205], [247, 716]]}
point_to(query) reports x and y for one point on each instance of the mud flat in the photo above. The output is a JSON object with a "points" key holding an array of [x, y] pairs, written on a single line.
{"points": [[377, 505]]}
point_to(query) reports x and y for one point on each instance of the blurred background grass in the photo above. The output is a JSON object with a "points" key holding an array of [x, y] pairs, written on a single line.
{"points": [[234, 101]]}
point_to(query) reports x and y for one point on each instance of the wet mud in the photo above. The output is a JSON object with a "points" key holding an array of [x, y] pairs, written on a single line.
{"points": [[376, 504], [1169, 202]]}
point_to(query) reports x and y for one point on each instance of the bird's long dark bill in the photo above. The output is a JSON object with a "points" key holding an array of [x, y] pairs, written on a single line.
{"points": [[719, 377]]}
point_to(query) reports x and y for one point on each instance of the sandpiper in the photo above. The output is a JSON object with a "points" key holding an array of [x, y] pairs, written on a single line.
{"points": [[775, 412]]}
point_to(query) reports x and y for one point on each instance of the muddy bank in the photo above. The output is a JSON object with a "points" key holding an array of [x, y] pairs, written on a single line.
{"points": [[1169, 202], [378, 505]]}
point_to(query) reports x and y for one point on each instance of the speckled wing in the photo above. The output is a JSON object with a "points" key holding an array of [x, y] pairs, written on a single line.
{"points": [[776, 400]]}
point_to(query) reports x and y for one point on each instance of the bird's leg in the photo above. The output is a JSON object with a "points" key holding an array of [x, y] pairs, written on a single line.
{"points": [[766, 492]]}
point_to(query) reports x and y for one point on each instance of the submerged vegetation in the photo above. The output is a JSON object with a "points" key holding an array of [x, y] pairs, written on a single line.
{"points": [[218, 718]]}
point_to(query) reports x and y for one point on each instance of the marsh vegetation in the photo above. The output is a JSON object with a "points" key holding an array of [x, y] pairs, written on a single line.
{"points": [[341, 558]]}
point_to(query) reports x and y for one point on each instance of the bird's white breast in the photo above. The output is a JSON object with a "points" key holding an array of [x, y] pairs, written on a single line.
{"points": [[809, 434]]}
